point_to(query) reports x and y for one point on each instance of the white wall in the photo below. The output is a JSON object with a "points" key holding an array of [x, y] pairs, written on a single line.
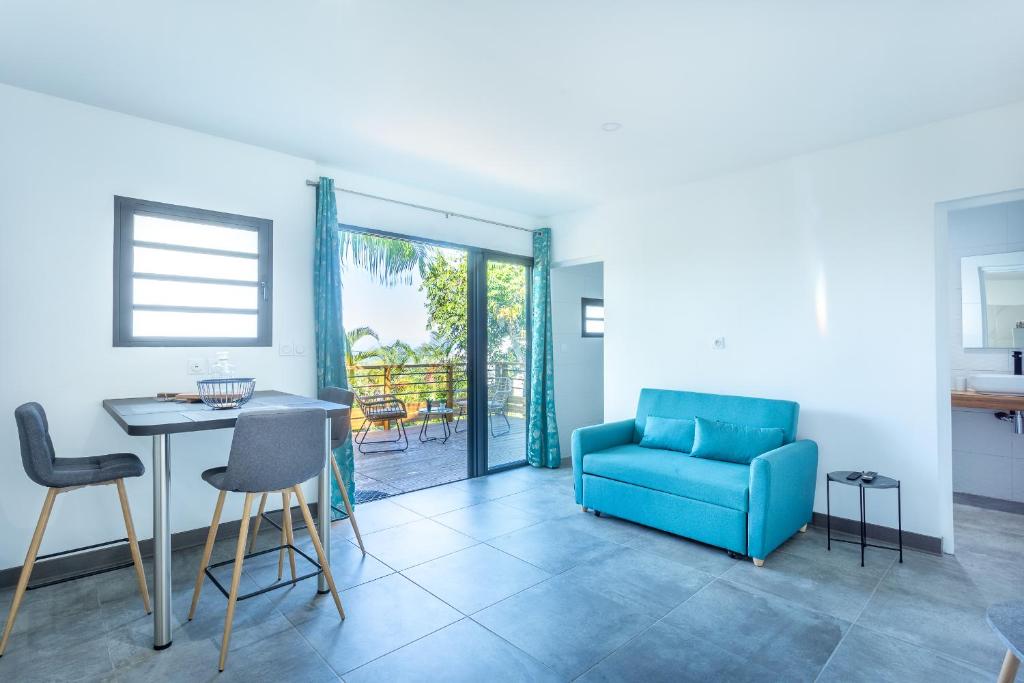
{"points": [[60, 166], [579, 360], [988, 458], [820, 271]]}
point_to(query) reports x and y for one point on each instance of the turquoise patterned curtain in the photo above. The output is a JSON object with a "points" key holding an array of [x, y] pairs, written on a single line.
{"points": [[330, 329], [542, 448]]}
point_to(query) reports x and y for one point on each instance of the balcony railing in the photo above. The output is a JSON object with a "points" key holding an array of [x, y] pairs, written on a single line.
{"points": [[415, 383]]}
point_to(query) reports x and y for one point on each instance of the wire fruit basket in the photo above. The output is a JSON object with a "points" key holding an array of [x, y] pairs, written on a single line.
{"points": [[226, 393]]}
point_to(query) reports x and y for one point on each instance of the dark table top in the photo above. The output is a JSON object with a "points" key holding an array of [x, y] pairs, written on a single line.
{"points": [[879, 482], [147, 416]]}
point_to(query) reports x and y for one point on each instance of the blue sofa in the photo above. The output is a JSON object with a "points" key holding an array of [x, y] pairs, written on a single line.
{"points": [[746, 509]]}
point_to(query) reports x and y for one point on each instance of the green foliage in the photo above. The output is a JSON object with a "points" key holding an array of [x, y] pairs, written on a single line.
{"points": [[390, 261], [446, 285], [353, 337]]}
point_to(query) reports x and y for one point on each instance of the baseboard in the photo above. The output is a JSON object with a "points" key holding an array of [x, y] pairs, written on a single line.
{"points": [[102, 558], [989, 503], [885, 534]]}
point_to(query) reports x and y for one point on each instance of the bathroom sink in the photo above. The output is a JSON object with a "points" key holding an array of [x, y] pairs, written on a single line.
{"points": [[996, 384]]}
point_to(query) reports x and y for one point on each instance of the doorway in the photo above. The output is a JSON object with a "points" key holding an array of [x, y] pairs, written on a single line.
{"points": [[424, 320]]}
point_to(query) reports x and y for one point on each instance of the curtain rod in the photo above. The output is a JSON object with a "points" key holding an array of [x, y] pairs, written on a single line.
{"points": [[447, 214]]}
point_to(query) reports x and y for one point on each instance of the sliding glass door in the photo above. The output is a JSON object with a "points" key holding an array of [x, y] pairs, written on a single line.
{"points": [[507, 343], [438, 355]]}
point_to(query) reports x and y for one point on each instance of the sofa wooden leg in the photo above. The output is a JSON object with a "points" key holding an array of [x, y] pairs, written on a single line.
{"points": [[803, 529], [584, 508], [758, 562]]}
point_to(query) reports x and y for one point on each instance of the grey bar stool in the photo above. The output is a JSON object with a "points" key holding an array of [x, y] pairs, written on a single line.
{"points": [[1007, 620], [341, 428], [271, 452], [60, 475]]}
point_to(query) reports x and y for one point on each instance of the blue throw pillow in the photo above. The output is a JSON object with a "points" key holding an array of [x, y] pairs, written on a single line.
{"points": [[732, 442], [668, 433]]}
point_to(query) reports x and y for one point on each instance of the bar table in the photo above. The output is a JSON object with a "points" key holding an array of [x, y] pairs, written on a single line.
{"points": [[160, 419]]}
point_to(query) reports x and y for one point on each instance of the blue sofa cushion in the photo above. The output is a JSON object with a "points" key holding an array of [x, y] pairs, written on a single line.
{"points": [[669, 434], [753, 412], [719, 483], [735, 443]]}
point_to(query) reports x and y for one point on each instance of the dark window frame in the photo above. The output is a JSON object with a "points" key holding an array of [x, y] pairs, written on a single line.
{"points": [[584, 302], [125, 210]]}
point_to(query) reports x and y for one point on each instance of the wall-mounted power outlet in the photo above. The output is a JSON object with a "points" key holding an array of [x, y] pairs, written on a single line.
{"points": [[197, 366], [286, 349], [300, 349]]}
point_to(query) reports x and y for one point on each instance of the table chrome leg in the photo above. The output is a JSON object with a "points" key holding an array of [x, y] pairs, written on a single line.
{"points": [[323, 506], [161, 542]]}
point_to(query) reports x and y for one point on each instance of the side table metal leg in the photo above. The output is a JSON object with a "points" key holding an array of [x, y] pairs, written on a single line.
{"points": [[899, 517], [828, 511], [863, 527]]}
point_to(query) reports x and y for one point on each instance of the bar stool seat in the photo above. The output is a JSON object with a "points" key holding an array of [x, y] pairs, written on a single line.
{"points": [[215, 477], [95, 469]]}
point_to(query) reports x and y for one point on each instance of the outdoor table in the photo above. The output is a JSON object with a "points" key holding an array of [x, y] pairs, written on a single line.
{"points": [[160, 419], [444, 414]]}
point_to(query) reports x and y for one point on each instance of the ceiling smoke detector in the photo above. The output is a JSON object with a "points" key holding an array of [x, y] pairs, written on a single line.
{"points": [[610, 126]]}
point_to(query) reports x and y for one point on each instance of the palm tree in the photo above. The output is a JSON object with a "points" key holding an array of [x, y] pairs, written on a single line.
{"points": [[352, 338], [391, 261]]}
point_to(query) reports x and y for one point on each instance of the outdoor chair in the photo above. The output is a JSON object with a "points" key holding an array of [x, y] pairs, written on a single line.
{"points": [[499, 391], [382, 408]]}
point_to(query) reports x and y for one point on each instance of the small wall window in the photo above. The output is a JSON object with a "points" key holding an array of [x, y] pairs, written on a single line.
{"points": [[190, 277], [593, 317]]}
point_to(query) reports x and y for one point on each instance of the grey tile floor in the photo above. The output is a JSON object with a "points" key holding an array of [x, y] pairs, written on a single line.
{"points": [[504, 578]]}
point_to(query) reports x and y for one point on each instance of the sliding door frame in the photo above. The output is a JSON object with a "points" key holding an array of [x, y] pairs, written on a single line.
{"points": [[479, 353], [476, 344]]}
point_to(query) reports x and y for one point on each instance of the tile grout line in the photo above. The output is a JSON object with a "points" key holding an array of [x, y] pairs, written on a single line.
{"points": [[853, 623], [918, 646], [642, 632]]}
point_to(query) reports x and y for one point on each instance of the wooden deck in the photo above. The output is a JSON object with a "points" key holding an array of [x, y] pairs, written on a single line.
{"points": [[379, 475]]}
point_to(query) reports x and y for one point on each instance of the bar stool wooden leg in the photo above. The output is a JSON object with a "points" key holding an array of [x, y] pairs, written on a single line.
{"points": [[1010, 665], [133, 544], [324, 561], [30, 560], [256, 522], [236, 575], [211, 536], [348, 504], [289, 532]]}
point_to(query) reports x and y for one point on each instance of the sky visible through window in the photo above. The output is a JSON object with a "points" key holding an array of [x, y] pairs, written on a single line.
{"points": [[395, 313]]}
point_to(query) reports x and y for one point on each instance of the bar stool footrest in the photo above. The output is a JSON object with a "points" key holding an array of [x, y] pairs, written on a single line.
{"points": [[278, 584], [81, 575]]}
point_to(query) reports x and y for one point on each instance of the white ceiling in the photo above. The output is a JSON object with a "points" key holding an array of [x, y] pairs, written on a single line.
{"points": [[502, 101]]}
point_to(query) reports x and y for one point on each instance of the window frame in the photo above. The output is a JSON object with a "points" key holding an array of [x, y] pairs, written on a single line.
{"points": [[125, 210], [584, 302]]}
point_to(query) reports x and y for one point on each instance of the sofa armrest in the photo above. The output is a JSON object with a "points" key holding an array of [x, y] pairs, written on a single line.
{"points": [[596, 438], [782, 485]]}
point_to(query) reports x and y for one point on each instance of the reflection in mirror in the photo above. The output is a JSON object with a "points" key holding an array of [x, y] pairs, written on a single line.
{"points": [[992, 298]]}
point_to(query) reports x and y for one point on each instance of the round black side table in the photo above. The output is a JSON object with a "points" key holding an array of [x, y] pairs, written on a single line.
{"points": [[443, 414], [879, 482]]}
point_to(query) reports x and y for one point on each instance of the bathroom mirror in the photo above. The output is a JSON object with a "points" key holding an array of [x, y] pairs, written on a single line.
{"points": [[992, 299]]}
